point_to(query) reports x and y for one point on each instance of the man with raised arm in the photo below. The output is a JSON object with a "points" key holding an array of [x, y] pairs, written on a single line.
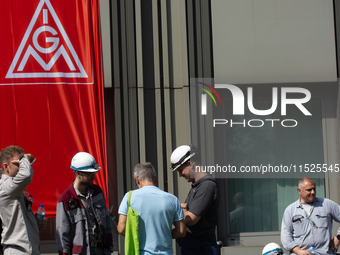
{"points": [[20, 232]]}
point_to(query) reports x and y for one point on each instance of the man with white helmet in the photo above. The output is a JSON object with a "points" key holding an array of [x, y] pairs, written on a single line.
{"points": [[83, 223], [200, 207], [272, 249]]}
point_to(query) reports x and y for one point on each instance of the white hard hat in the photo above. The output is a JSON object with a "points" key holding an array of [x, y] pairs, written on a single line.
{"points": [[272, 249], [180, 155], [84, 162]]}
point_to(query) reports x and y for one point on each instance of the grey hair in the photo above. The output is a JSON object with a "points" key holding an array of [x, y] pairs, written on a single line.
{"points": [[302, 181], [145, 171]]}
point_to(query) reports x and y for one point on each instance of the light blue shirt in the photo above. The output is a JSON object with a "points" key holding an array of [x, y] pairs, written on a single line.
{"points": [[303, 229], [157, 211]]}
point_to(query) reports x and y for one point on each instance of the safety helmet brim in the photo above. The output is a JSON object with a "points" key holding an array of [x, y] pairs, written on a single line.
{"points": [[89, 170], [180, 155]]}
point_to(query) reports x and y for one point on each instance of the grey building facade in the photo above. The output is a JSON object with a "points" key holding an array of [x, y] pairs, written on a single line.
{"points": [[151, 50]]}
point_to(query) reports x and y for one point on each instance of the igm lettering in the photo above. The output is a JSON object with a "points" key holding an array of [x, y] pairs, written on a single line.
{"points": [[239, 102]]}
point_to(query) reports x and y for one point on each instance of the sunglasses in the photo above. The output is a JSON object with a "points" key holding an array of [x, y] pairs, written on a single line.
{"points": [[89, 174]]}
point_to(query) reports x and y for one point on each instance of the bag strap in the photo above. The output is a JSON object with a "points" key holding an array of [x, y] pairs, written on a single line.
{"points": [[130, 193]]}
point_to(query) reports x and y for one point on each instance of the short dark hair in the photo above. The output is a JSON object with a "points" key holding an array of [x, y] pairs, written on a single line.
{"points": [[196, 157], [10, 152], [145, 171]]}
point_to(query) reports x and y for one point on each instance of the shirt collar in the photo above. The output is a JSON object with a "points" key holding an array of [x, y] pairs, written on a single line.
{"points": [[149, 186], [299, 204], [89, 192]]}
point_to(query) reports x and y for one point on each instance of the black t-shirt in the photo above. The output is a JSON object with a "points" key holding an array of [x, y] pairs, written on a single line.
{"points": [[203, 200]]}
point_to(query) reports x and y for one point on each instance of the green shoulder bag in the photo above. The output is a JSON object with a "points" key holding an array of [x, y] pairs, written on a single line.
{"points": [[132, 230]]}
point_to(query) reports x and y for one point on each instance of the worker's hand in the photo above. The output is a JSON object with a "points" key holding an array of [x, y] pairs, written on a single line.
{"points": [[298, 251], [303, 252], [28, 156], [184, 205], [334, 244]]}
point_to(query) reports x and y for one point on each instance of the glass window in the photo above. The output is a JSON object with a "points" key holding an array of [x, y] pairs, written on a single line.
{"points": [[252, 204], [257, 204]]}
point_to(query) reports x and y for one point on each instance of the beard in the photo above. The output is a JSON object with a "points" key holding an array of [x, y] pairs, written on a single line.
{"points": [[87, 182]]}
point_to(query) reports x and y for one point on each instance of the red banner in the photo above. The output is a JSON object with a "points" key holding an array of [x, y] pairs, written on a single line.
{"points": [[51, 89]]}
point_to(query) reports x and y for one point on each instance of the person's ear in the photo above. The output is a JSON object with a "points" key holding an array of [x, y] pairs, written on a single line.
{"points": [[137, 181], [5, 167], [191, 164]]}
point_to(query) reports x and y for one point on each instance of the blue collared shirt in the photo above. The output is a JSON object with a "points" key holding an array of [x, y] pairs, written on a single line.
{"points": [[157, 210], [303, 229]]}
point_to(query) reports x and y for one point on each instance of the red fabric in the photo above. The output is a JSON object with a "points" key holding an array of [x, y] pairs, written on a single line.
{"points": [[54, 111], [76, 249]]}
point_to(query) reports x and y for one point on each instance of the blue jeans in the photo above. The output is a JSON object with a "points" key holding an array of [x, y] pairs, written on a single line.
{"points": [[194, 245]]}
